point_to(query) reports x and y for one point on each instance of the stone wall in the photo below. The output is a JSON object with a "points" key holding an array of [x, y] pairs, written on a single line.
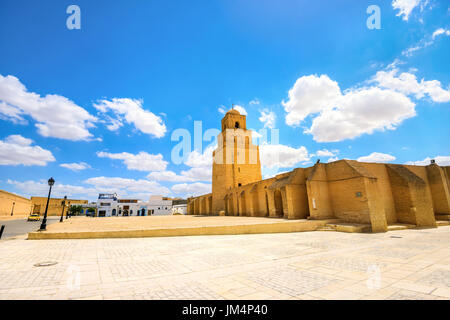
{"points": [[12, 203]]}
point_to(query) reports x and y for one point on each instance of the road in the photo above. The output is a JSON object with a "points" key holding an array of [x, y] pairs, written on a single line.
{"points": [[21, 226]]}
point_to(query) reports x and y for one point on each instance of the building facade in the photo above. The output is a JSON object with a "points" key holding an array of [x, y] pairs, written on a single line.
{"points": [[373, 194], [110, 205]]}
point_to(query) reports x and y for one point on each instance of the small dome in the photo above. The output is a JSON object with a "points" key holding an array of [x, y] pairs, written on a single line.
{"points": [[233, 111]]}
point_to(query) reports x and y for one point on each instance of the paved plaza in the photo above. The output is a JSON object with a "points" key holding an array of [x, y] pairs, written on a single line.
{"points": [[405, 264]]}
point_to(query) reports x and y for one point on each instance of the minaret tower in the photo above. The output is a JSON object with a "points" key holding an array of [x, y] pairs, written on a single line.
{"points": [[235, 161]]}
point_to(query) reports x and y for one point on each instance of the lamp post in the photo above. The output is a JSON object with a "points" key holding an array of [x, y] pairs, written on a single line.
{"points": [[12, 210], [67, 213], [63, 203], [51, 182]]}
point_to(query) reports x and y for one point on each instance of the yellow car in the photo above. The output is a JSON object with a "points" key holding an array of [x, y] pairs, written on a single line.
{"points": [[34, 217]]}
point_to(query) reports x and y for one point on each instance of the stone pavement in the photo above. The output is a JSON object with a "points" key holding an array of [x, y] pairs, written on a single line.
{"points": [[405, 264]]}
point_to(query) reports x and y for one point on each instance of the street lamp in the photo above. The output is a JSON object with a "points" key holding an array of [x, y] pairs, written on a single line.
{"points": [[12, 210], [51, 182], [67, 213], [63, 203]]}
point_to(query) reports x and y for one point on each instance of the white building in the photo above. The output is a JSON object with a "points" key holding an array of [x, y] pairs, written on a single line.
{"points": [[179, 206], [159, 206], [109, 205]]}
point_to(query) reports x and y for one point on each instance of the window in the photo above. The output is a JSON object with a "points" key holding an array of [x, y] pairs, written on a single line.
{"points": [[236, 125], [239, 184]]}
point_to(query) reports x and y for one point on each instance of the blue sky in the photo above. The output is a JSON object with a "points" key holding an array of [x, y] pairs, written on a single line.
{"points": [[95, 108]]}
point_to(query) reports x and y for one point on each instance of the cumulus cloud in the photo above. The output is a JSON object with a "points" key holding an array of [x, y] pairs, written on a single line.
{"points": [[191, 189], [337, 116], [142, 161], [125, 186], [282, 156], [405, 7], [132, 111], [196, 159], [40, 189], [268, 118], [191, 175], [310, 95], [326, 153], [440, 160], [17, 150], [377, 157], [333, 159], [241, 109], [55, 115], [362, 111], [75, 166], [407, 84]]}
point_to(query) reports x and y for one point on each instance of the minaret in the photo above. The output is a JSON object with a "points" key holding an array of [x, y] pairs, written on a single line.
{"points": [[236, 160]]}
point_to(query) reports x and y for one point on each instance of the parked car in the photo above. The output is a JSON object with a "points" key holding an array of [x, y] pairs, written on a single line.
{"points": [[34, 217]]}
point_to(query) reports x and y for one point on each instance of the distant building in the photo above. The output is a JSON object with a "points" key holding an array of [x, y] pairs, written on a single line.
{"points": [[179, 206], [159, 205], [110, 205], [54, 206]]}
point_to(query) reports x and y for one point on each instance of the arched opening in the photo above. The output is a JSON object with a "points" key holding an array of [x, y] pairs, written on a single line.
{"points": [[113, 212], [143, 212], [278, 204], [236, 125]]}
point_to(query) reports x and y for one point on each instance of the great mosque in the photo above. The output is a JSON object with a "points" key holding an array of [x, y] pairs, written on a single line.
{"points": [[376, 195]]}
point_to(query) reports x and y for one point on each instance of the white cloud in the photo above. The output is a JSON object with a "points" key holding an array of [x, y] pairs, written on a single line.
{"points": [[241, 109], [17, 150], [196, 159], [407, 84], [40, 189], [333, 159], [440, 31], [191, 175], [268, 118], [310, 95], [326, 153], [254, 102], [337, 115], [132, 112], [192, 189], [377, 157], [198, 174], [167, 176], [362, 111], [282, 156], [440, 160], [405, 7], [425, 42], [55, 115], [125, 186], [142, 161], [76, 166]]}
